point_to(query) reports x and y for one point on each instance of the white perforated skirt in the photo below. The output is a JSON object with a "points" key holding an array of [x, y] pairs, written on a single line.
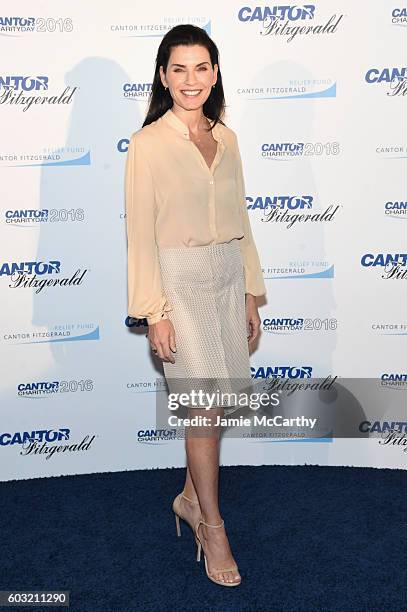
{"points": [[206, 287]]}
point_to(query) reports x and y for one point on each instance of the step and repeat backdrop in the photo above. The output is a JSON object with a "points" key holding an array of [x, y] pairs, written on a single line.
{"points": [[317, 96]]}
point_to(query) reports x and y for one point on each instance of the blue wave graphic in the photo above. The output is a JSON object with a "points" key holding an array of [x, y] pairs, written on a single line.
{"points": [[394, 334], [325, 93], [328, 273], [324, 439], [93, 335]]}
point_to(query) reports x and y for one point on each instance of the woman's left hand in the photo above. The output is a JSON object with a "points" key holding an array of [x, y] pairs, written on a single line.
{"points": [[253, 320]]}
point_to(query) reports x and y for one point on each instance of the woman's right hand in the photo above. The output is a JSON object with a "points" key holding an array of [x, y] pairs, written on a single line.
{"points": [[161, 336]]}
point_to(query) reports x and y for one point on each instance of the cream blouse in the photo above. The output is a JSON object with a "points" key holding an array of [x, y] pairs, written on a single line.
{"points": [[173, 199]]}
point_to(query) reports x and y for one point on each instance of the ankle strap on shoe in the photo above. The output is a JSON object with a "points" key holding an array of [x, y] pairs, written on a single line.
{"points": [[190, 500], [209, 525]]}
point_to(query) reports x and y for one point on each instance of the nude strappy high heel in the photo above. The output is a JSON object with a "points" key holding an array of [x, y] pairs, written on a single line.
{"points": [[223, 569], [178, 514]]}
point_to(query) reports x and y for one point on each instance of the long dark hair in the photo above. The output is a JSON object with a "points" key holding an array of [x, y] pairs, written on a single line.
{"points": [[160, 99]]}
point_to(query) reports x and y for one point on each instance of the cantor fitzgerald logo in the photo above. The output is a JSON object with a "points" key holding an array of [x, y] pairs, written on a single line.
{"points": [[12, 25], [158, 436], [39, 275], [157, 29], [28, 217], [40, 435], [291, 325], [136, 91], [382, 426], [394, 380], [283, 325], [299, 270], [289, 88], [290, 209], [391, 265], [393, 80], [25, 216], [396, 210], [289, 21], [157, 385], [50, 388], [21, 25], [285, 371], [389, 329], [44, 442], [26, 91], [399, 16], [390, 433], [391, 151], [46, 157], [287, 151], [72, 331]]}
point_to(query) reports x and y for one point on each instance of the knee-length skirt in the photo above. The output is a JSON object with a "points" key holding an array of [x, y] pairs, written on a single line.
{"points": [[205, 286]]}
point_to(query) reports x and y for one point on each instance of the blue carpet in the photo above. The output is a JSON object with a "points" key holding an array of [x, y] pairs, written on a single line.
{"points": [[305, 537]]}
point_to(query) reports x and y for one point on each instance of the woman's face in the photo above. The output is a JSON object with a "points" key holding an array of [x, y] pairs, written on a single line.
{"points": [[189, 70]]}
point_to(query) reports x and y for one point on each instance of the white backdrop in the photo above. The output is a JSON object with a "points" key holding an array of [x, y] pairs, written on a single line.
{"points": [[320, 115]]}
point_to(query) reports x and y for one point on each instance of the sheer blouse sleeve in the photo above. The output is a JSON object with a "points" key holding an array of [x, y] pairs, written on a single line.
{"points": [[253, 272], [146, 298]]}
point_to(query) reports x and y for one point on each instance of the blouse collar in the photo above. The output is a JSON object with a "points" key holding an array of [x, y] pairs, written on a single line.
{"points": [[171, 118]]}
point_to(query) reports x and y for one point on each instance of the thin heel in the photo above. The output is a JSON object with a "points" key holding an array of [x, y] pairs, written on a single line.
{"points": [[198, 557], [178, 525]]}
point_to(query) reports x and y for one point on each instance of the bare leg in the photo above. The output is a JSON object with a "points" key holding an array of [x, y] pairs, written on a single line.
{"points": [[190, 510], [189, 488], [202, 447]]}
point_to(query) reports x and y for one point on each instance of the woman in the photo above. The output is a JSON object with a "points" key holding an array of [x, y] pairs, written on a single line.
{"points": [[193, 267]]}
